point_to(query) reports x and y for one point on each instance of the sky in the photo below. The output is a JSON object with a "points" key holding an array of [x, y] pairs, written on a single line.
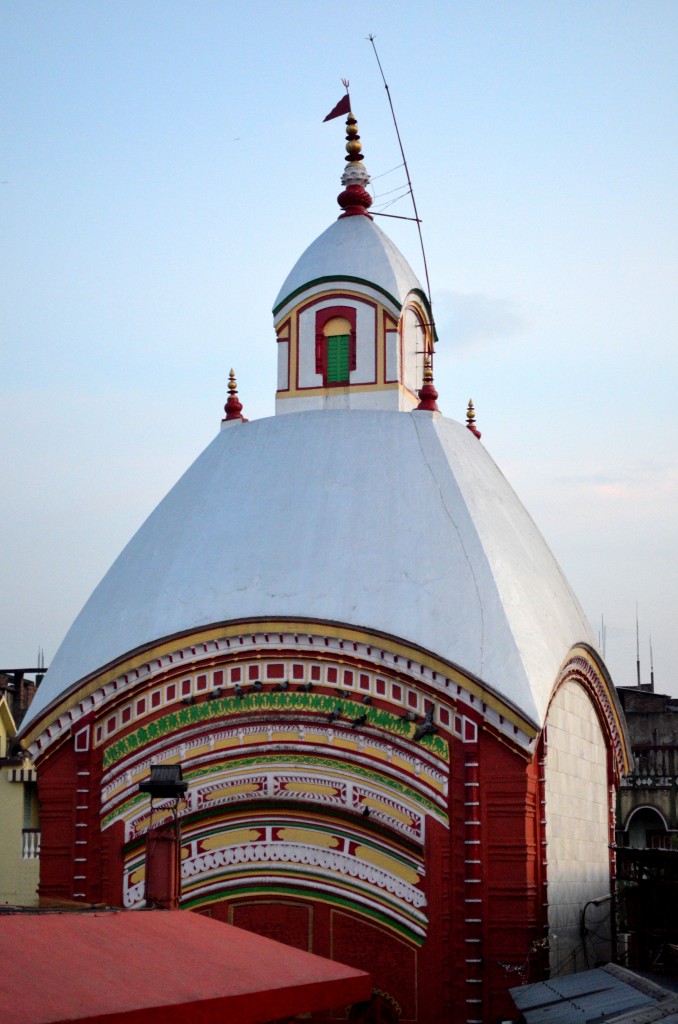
{"points": [[165, 163]]}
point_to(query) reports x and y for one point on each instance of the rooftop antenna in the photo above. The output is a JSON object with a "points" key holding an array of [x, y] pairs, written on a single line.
{"points": [[409, 181], [651, 667], [637, 649], [602, 636]]}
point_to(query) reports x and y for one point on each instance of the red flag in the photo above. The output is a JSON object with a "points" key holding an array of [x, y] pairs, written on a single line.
{"points": [[342, 107]]}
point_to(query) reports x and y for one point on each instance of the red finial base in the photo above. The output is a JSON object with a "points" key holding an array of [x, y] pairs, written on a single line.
{"points": [[354, 201], [233, 407], [427, 399], [427, 393]]}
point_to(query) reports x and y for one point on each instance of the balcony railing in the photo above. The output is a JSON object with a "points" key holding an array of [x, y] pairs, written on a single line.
{"points": [[653, 766], [30, 845]]}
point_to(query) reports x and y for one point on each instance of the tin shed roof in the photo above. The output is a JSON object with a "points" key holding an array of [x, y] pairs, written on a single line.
{"points": [[607, 995], [126, 967]]}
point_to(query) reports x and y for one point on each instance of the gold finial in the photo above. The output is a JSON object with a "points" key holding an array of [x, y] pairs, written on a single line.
{"points": [[354, 146], [471, 420], [232, 383]]}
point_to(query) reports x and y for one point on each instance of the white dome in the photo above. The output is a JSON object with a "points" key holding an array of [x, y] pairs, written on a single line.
{"points": [[353, 249], [395, 522]]}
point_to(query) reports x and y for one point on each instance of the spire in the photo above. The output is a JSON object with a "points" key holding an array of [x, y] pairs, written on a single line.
{"points": [[471, 420], [233, 407], [427, 393], [355, 199]]}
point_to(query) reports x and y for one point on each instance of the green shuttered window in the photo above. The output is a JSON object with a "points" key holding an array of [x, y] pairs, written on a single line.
{"points": [[338, 358]]}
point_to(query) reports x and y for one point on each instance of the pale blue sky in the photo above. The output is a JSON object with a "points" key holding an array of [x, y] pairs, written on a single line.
{"points": [[164, 164]]}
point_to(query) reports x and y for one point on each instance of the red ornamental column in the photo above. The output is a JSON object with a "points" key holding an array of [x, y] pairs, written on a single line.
{"points": [[542, 959], [57, 821], [473, 888], [84, 797]]}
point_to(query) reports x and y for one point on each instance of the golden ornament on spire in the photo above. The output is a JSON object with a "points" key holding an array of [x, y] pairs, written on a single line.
{"points": [[471, 420], [355, 200]]}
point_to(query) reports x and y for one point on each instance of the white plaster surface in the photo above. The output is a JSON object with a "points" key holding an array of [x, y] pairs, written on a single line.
{"points": [[352, 247], [392, 355], [394, 521], [577, 828], [308, 377], [388, 399], [413, 351], [283, 365]]}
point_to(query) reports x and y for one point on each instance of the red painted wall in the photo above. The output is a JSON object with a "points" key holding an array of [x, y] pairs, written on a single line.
{"points": [[512, 872], [56, 793]]}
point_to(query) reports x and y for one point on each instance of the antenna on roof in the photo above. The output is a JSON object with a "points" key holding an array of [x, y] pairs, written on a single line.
{"points": [[409, 181], [637, 649], [602, 636], [651, 667]]}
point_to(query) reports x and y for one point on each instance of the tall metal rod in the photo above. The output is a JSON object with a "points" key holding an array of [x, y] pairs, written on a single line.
{"points": [[409, 181], [637, 648]]}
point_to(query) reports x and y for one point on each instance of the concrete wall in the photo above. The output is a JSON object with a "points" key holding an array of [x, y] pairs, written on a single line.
{"points": [[648, 798], [18, 874]]}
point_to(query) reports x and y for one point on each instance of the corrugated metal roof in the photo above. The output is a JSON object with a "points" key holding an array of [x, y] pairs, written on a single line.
{"points": [[607, 995]]}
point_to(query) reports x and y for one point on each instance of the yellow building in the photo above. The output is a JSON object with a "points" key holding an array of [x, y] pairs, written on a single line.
{"points": [[20, 832]]}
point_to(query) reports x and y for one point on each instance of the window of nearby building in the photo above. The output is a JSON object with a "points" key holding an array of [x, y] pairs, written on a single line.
{"points": [[647, 830]]}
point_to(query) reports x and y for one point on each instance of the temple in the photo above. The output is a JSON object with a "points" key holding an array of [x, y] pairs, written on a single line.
{"points": [[400, 740]]}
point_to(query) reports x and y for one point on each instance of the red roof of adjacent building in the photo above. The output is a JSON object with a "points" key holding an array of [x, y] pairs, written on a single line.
{"points": [[123, 967]]}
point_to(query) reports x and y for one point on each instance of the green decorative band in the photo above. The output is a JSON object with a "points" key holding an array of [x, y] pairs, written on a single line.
{"points": [[333, 279], [208, 711]]}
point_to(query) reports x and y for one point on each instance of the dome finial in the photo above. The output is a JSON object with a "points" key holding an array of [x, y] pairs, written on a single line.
{"points": [[355, 199], [427, 393], [233, 407], [471, 420]]}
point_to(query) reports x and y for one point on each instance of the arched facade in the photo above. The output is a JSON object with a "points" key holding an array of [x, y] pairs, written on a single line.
{"points": [[316, 813]]}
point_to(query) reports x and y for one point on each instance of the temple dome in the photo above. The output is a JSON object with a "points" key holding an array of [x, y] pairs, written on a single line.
{"points": [[351, 249], [398, 523]]}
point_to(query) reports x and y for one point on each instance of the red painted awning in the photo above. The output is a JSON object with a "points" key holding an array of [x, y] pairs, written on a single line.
{"points": [[124, 967]]}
